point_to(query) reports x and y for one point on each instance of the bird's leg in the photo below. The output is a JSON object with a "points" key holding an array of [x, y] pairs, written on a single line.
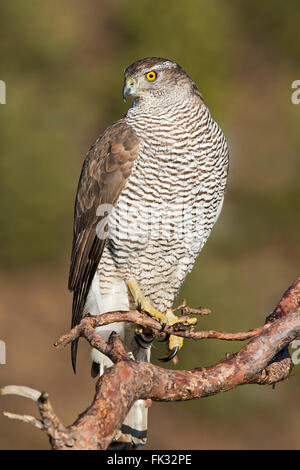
{"points": [[167, 318]]}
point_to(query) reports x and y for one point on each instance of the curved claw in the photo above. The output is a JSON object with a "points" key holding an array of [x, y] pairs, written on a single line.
{"points": [[143, 343], [173, 354], [167, 336]]}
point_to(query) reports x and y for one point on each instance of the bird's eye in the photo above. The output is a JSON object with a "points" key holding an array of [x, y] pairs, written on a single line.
{"points": [[151, 76]]}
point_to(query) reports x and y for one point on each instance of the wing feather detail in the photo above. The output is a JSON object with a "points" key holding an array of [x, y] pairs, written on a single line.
{"points": [[105, 171]]}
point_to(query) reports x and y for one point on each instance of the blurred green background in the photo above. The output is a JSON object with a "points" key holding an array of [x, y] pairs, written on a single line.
{"points": [[63, 64]]}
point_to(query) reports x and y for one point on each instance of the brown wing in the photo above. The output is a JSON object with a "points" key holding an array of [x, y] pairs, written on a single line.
{"points": [[105, 171]]}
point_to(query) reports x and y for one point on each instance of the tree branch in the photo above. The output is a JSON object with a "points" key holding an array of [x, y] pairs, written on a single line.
{"points": [[264, 360]]}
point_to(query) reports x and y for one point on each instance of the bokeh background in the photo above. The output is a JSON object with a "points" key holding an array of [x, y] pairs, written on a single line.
{"points": [[62, 62]]}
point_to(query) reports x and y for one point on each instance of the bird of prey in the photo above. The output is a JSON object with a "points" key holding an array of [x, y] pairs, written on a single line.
{"points": [[150, 190]]}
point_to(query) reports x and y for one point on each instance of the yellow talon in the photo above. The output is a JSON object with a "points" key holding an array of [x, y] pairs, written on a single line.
{"points": [[168, 318], [175, 341], [141, 300]]}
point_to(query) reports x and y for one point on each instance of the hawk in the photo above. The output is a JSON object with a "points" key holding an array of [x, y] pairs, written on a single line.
{"points": [[150, 190]]}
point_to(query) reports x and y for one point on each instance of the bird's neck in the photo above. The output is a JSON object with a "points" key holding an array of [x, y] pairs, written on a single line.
{"points": [[155, 109]]}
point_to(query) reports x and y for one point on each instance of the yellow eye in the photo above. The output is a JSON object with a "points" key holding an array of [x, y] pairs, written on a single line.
{"points": [[151, 76]]}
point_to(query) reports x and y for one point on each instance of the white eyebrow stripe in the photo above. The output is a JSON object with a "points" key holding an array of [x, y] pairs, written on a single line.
{"points": [[164, 65]]}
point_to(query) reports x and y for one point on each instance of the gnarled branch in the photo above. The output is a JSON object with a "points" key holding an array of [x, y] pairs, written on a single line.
{"points": [[264, 360]]}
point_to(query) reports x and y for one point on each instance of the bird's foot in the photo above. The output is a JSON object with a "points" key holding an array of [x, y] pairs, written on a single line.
{"points": [[167, 318]]}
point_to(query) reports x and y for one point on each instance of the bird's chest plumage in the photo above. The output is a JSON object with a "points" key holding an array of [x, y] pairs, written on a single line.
{"points": [[168, 206]]}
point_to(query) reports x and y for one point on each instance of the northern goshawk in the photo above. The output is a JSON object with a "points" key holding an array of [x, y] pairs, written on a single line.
{"points": [[151, 189]]}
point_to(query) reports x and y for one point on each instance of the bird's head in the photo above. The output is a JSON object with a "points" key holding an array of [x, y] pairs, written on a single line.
{"points": [[154, 80]]}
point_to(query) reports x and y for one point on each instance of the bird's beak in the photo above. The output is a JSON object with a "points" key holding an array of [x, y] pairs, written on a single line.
{"points": [[129, 89]]}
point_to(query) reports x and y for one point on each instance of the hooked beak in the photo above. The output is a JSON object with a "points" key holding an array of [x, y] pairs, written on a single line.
{"points": [[129, 89]]}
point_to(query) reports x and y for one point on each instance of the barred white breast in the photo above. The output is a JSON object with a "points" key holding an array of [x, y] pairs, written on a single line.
{"points": [[161, 174]]}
